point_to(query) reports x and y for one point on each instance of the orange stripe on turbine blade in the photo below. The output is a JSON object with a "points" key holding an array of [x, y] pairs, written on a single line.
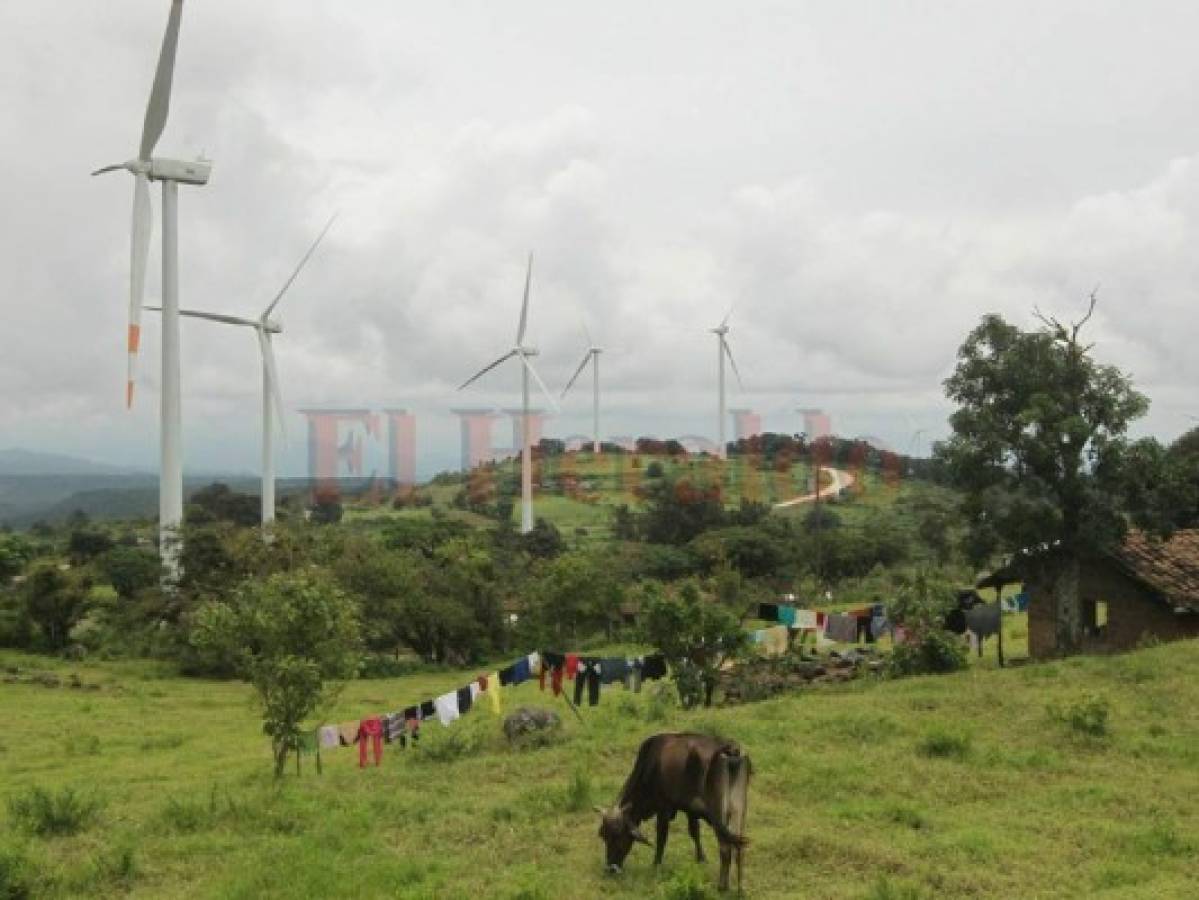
{"points": [[135, 337]]}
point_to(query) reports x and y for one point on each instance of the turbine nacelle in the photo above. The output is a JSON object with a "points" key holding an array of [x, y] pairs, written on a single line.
{"points": [[195, 172], [527, 351], [721, 330]]}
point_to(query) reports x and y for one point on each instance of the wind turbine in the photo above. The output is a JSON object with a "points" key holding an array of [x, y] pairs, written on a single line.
{"points": [[522, 352], [272, 397], [592, 355], [146, 168], [722, 350]]}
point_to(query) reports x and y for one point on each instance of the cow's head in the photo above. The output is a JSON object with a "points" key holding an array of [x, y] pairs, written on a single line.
{"points": [[618, 832]]}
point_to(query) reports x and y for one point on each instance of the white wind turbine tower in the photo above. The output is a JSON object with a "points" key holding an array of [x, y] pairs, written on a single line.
{"points": [[522, 352], [722, 350], [592, 355], [146, 168], [272, 397]]}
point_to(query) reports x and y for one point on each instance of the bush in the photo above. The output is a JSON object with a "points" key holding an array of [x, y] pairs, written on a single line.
{"points": [[16, 876], [1087, 717], [933, 652], [940, 743], [50, 813]]}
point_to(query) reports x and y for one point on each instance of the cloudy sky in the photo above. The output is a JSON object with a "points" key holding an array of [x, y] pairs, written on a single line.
{"points": [[863, 180]]}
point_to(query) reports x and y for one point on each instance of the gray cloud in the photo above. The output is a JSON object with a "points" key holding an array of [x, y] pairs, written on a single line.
{"points": [[862, 181]]}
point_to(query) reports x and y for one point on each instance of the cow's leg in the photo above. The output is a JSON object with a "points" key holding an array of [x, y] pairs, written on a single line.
{"points": [[693, 829], [726, 858], [663, 833]]}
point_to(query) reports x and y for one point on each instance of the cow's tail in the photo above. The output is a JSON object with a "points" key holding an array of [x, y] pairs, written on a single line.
{"points": [[737, 769]]}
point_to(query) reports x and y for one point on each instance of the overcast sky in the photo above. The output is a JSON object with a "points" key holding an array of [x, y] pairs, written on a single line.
{"points": [[863, 180]]}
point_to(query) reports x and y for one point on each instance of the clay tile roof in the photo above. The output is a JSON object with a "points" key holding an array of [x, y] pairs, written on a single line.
{"points": [[1170, 567]]}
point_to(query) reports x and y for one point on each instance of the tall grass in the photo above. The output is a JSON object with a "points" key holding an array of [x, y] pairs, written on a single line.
{"points": [[53, 813]]}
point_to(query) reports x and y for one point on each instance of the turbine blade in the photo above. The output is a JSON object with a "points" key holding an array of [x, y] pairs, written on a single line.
{"points": [[541, 384], [272, 375], [524, 307], [578, 372], [484, 371], [732, 362], [211, 317], [105, 169], [160, 93], [727, 315], [139, 250], [279, 296]]}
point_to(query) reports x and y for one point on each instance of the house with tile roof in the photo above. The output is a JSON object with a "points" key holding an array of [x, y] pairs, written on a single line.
{"points": [[1144, 589]]}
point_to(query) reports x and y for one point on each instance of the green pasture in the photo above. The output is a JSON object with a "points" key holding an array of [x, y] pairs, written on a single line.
{"points": [[1064, 779]]}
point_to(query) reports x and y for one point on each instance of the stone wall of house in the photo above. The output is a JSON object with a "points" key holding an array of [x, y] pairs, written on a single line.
{"points": [[1133, 612]]}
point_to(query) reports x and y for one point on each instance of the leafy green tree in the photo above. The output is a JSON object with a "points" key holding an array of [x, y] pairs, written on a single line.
{"points": [[754, 551], [384, 582], [56, 599], [696, 635], [15, 554], [544, 541], [679, 509], [130, 570], [292, 636], [218, 502], [87, 543], [1038, 445], [568, 598]]}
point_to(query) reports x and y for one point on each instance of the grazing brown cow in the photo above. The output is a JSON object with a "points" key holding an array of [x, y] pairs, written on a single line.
{"points": [[704, 777]]}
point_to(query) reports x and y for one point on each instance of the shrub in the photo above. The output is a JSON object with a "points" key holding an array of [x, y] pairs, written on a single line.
{"points": [[50, 813], [16, 876], [941, 743], [453, 745], [933, 652], [1087, 717]]}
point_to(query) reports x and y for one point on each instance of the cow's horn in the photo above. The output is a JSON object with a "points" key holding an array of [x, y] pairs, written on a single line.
{"points": [[600, 810]]}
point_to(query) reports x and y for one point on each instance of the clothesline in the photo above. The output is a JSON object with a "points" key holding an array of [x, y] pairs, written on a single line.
{"points": [[589, 673], [867, 623]]}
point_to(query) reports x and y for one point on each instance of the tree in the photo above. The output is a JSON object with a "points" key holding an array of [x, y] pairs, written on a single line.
{"points": [[291, 636], [56, 599], [15, 554], [130, 570], [87, 543], [678, 510], [219, 503], [1038, 444], [544, 541], [569, 598], [695, 635]]}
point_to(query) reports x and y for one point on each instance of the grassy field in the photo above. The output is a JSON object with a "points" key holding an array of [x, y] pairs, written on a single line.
{"points": [[992, 783]]}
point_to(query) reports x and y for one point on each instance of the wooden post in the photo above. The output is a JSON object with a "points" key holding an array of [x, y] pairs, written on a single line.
{"points": [[999, 600]]}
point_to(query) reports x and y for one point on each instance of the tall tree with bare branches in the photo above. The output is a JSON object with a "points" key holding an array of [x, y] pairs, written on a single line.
{"points": [[1039, 445]]}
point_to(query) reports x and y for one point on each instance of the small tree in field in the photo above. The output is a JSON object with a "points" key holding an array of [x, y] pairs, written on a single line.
{"points": [[696, 636], [291, 636]]}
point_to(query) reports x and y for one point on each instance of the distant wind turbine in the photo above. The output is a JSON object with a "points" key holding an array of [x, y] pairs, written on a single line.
{"points": [[722, 350], [522, 352], [272, 396], [592, 355], [146, 168]]}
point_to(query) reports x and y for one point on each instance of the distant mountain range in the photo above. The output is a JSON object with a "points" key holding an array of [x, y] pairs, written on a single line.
{"points": [[50, 486], [17, 461]]}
